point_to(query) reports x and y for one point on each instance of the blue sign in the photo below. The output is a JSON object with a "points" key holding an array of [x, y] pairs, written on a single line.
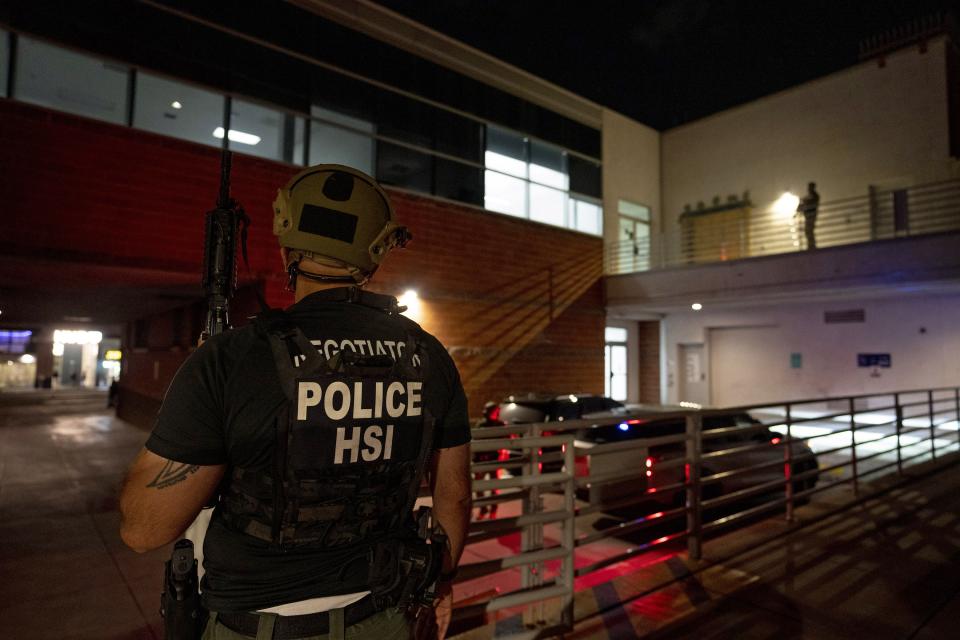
{"points": [[873, 360]]}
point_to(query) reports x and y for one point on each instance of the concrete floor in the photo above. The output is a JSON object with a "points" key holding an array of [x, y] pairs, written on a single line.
{"points": [[65, 572], [887, 569]]}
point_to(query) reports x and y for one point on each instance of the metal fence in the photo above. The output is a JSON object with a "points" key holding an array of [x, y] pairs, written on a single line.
{"points": [[670, 479], [744, 233]]}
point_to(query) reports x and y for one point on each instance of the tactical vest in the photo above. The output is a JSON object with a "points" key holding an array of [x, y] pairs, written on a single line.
{"points": [[351, 447]]}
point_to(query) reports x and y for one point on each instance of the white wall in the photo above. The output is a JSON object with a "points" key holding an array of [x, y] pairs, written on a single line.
{"points": [[748, 350], [631, 169], [862, 126]]}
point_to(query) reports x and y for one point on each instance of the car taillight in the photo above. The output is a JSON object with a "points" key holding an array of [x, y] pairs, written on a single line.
{"points": [[494, 414], [775, 440], [503, 455], [581, 466]]}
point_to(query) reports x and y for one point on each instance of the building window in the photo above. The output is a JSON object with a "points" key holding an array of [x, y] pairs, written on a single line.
{"points": [[4, 61], [67, 81], [402, 141], [547, 205], [633, 236], [340, 139], [458, 181], [615, 363], [585, 176], [295, 142], [257, 131], [586, 216], [404, 167], [505, 194], [14, 341], [178, 110], [530, 179]]}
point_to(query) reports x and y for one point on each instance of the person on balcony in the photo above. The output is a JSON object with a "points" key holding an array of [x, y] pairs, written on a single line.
{"points": [[808, 207]]}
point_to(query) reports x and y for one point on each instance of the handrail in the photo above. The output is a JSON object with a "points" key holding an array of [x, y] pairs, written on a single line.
{"points": [[745, 233], [709, 482]]}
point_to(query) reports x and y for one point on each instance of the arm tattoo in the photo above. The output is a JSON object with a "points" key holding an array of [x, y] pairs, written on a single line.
{"points": [[172, 473]]}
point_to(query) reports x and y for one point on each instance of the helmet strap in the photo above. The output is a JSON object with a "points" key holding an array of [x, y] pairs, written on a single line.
{"points": [[294, 270]]}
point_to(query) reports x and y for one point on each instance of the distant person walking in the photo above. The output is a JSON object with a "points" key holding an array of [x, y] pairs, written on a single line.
{"points": [[113, 393], [808, 207]]}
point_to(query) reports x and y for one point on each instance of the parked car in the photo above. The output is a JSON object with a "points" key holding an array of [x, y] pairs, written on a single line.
{"points": [[533, 407], [614, 423], [743, 447], [541, 407]]}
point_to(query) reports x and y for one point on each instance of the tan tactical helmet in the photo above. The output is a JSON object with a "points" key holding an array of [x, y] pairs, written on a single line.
{"points": [[338, 216]]}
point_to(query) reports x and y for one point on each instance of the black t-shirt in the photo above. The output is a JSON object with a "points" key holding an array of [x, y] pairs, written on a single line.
{"points": [[221, 408]]}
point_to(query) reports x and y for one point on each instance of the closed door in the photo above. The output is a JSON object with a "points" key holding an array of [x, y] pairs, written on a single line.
{"points": [[693, 375]]}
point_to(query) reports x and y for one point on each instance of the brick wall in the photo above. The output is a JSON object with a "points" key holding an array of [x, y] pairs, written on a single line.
{"points": [[648, 344], [519, 305]]}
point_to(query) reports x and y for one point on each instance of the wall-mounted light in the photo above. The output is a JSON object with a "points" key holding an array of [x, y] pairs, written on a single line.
{"points": [[696, 306], [27, 358], [57, 349], [786, 205], [176, 104], [237, 136], [414, 308]]}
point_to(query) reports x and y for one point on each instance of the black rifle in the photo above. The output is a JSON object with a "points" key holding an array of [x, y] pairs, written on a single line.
{"points": [[223, 224], [180, 601]]}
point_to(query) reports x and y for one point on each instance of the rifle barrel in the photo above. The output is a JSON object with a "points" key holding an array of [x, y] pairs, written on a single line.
{"points": [[226, 159]]}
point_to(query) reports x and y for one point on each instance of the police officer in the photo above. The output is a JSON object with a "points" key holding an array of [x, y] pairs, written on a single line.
{"points": [[312, 429]]}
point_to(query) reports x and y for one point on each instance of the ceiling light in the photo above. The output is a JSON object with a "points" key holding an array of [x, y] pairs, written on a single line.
{"points": [[237, 136], [696, 306], [27, 358], [77, 337], [176, 104]]}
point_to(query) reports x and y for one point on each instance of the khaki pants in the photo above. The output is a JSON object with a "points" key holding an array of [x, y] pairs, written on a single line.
{"points": [[391, 624]]}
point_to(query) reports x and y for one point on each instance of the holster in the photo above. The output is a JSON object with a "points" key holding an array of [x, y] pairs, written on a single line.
{"points": [[183, 617], [403, 572]]}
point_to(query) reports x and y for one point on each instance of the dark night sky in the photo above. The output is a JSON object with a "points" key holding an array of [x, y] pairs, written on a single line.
{"points": [[665, 62]]}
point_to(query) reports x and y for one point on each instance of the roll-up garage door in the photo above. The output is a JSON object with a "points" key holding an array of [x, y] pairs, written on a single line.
{"points": [[748, 365]]}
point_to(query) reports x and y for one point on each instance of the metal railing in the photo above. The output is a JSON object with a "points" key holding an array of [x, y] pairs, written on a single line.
{"points": [[533, 553], [876, 215], [685, 477]]}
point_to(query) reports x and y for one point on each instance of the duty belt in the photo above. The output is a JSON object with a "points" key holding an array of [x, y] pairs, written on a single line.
{"points": [[290, 627]]}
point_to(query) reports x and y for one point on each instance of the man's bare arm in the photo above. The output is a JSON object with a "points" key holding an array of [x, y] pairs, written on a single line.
{"points": [[452, 497], [452, 501], [161, 497]]}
